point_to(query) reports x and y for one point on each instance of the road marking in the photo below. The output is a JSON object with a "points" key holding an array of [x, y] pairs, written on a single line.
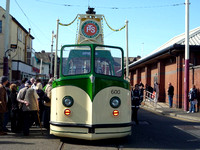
{"points": [[190, 129]]}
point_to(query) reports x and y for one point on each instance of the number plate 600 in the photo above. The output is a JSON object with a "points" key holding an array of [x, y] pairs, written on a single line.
{"points": [[115, 91]]}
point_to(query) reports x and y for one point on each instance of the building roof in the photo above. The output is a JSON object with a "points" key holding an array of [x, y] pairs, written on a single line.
{"points": [[15, 20], [44, 56], [177, 41], [194, 39]]}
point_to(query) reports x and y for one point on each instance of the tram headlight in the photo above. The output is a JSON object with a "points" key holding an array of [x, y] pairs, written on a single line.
{"points": [[115, 102], [68, 101]]}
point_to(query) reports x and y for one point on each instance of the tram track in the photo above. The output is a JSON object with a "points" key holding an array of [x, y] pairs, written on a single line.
{"points": [[62, 146]]}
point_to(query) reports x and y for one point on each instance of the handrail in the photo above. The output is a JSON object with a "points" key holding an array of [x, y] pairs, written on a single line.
{"points": [[151, 97]]}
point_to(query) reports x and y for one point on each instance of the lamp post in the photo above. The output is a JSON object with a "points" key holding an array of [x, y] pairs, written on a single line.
{"points": [[187, 56]]}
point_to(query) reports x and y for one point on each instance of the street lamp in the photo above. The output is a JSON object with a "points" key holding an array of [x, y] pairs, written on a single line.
{"points": [[5, 62]]}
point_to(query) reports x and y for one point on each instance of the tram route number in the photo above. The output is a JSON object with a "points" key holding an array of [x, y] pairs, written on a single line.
{"points": [[115, 91]]}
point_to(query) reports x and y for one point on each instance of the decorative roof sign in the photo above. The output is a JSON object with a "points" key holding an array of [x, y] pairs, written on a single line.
{"points": [[90, 29]]}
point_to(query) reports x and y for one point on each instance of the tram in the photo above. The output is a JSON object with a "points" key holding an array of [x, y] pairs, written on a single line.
{"points": [[91, 100]]}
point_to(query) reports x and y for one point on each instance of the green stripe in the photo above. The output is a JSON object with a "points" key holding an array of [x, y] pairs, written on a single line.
{"points": [[84, 82]]}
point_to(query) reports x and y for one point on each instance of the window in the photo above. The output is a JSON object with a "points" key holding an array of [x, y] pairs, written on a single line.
{"points": [[19, 34], [0, 26], [76, 61], [108, 61]]}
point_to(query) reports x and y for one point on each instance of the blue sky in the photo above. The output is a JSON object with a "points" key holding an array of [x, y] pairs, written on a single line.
{"points": [[151, 22]]}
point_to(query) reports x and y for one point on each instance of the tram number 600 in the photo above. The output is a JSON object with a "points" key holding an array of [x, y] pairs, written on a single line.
{"points": [[115, 91]]}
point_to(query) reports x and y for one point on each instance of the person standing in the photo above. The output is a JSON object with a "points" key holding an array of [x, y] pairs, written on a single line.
{"points": [[141, 84], [33, 83], [192, 99], [47, 104], [41, 94], [3, 102], [141, 91], [8, 112], [170, 92], [16, 124], [156, 90], [23, 83], [135, 99], [29, 97]]}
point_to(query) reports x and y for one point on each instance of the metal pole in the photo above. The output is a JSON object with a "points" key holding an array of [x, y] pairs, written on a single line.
{"points": [[55, 63], [7, 27], [187, 57], [127, 68], [41, 66], [6, 42], [51, 72]]}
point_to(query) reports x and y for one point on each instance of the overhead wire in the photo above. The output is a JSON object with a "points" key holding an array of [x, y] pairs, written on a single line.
{"points": [[116, 8], [23, 13], [69, 5], [30, 22]]}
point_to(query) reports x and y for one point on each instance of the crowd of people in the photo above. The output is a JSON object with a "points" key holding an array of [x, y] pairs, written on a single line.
{"points": [[24, 104]]}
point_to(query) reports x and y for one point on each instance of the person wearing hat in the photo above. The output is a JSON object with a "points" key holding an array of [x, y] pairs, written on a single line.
{"points": [[29, 98], [22, 93], [3, 102]]}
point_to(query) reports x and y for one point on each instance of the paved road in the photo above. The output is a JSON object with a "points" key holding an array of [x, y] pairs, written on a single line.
{"points": [[154, 132]]}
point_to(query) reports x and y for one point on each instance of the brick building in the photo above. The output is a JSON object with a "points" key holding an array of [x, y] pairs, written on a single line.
{"points": [[166, 64]]}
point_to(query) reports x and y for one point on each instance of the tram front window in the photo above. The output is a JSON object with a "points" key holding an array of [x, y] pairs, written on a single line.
{"points": [[76, 61], [108, 61]]}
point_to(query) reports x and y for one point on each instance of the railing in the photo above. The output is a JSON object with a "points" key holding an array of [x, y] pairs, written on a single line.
{"points": [[151, 98]]}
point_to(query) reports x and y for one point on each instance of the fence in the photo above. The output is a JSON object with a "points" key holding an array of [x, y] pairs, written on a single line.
{"points": [[151, 98]]}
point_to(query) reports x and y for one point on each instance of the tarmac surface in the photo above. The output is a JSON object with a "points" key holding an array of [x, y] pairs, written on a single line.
{"points": [[164, 109], [38, 140]]}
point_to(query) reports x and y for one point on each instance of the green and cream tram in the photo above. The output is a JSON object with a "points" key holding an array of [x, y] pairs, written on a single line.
{"points": [[91, 100]]}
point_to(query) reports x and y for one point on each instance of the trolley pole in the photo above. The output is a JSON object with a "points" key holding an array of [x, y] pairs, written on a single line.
{"points": [[187, 57], [127, 62], [51, 72], [55, 63]]}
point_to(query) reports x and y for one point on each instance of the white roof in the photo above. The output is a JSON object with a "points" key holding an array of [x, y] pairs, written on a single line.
{"points": [[194, 39]]}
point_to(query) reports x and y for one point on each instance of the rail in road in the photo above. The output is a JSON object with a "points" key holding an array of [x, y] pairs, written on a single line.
{"points": [[74, 144]]}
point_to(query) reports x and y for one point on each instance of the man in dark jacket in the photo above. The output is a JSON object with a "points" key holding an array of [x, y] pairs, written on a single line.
{"points": [[135, 98], [3, 102], [170, 94]]}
